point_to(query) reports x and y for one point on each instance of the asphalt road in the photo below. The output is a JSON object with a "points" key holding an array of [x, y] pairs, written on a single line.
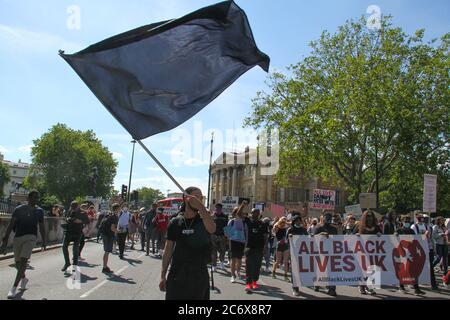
{"points": [[137, 278]]}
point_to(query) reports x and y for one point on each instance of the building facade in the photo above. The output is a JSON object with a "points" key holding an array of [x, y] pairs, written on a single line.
{"points": [[239, 175], [17, 171]]}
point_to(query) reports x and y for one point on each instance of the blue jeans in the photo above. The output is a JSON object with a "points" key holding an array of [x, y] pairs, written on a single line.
{"points": [[441, 253]]}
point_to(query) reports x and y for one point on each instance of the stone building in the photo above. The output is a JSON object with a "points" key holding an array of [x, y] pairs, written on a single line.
{"points": [[239, 175]]}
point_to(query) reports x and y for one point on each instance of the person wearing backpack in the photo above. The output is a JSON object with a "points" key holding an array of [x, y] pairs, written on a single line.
{"points": [[107, 228]]}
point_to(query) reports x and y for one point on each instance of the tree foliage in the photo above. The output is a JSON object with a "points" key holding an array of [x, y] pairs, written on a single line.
{"points": [[62, 164], [4, 176], [149, 195], [358, 90]]}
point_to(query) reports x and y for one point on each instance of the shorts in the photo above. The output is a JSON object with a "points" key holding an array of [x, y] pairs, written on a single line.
{"points": [[282, 247], [23, 246], [237, 249], [107, 243]]}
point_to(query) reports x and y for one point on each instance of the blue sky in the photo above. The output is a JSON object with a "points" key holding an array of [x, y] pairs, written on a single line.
{"points": [[38, 89]]}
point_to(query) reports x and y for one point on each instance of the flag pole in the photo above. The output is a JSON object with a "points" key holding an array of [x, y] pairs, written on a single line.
{"points": [[161, 166]]}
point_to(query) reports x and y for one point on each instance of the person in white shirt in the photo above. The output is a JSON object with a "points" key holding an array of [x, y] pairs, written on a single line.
{"points": [[422, 226], [122, 229]]}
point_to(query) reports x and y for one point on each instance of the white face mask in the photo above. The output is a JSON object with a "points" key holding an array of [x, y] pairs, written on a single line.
{"points": [[407, 225]]}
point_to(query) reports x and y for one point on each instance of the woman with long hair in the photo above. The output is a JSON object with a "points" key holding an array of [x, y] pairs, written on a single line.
{"points": [[238, 238], [368, 225], [280, 232]]}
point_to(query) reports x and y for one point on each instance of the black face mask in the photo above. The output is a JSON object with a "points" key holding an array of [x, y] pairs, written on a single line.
{"points": [[328, 220]]}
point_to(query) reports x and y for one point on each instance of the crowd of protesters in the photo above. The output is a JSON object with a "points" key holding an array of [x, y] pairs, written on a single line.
{"points": [[243, 242]]}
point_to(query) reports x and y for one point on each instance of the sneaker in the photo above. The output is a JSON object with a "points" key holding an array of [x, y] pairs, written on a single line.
{"points": [[12, 293], [233, 279], [63, 269], [248, 288], [23, 284], [332, 292], [267, 270], [437, 269], [274, 275], [296, 292], [316, 289], [81, 259], [362, 290], [106, 270], [402, 289], [213, 269], [371, 292], [418, 292], [436, 288], [255, 285], [121, 257]]}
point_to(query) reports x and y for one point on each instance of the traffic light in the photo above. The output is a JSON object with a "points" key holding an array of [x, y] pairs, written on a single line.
{"points": [[124, 192]]}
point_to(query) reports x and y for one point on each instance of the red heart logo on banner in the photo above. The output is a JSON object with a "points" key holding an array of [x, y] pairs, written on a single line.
{"points": [[408, 259]]}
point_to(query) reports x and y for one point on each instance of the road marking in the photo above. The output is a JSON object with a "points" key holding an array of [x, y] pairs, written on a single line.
{"points": [[106, 280], [103, 282]]}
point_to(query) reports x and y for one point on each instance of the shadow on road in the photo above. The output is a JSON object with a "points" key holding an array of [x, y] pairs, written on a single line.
{"points": [[119, 278]]}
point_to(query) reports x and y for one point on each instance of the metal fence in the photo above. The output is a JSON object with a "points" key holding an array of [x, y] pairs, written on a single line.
{"points": [[7, 206]]}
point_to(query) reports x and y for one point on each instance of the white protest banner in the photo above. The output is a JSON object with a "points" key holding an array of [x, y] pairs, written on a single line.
{"points": [[429, 193], [349, 260], [355, 210], [228, 204], [323, 199], [368, 200]]}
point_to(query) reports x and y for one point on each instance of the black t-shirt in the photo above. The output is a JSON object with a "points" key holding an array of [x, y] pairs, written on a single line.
{"points": [[375, 230], [297, 231], [326, 228], [111, 219], [192, 242], [281, 234], [76, 228], [27, 220], [405, 231], [221, 221], [256, 233]]}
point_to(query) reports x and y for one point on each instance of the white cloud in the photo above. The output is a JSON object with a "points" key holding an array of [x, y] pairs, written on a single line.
{"points": [[154, 168], [13, 37], [3, 150], [194, 162], [26, 148], [117, 155]]}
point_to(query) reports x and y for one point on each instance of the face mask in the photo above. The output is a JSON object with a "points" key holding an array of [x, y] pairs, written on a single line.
{"points": [[407, 225], [125, 209]]}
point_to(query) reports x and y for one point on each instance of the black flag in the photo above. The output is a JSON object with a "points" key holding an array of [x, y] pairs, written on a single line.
{"points": [[154, 78]]}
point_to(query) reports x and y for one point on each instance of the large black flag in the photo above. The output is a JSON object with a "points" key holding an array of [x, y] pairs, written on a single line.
{"points": [[154, 78]]}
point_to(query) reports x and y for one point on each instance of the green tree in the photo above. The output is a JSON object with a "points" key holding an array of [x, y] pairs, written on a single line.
{"points": [[63, 160], [360, 90], [4, 176], [149, 195]]}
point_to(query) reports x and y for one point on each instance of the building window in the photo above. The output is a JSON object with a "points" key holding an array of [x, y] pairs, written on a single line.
{"points": [[291, 194]]}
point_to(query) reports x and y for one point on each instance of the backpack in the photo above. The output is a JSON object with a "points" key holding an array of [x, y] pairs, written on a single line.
{"points": [[105, 226]]}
